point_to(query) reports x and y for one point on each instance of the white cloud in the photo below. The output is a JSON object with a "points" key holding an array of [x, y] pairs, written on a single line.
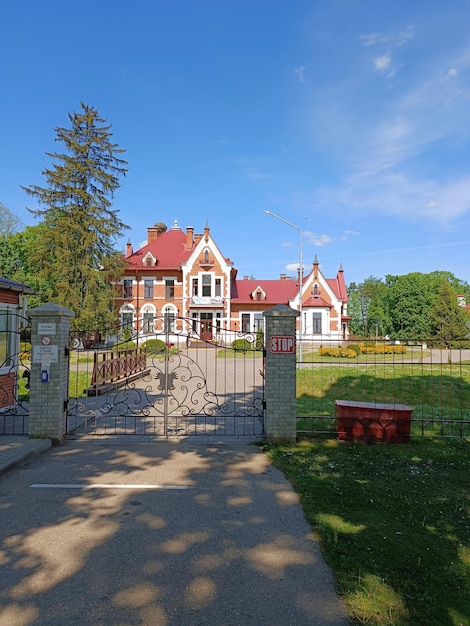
{"points": [[383, 63], [316, 240], [393, 39], [398, 194], [300, 73]]}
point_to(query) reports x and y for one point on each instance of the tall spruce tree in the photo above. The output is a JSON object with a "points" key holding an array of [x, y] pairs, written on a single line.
{"points": [[75, 253]]}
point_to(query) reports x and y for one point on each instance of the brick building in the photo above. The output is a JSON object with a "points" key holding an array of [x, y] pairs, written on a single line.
{"points": [[182, 274], [12, 319]]}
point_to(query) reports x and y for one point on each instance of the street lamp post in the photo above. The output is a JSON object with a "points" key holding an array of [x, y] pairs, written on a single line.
{"points": [[301, 276]]}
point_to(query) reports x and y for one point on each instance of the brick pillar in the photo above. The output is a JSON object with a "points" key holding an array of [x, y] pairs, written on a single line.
{"points": [[280, 373], [50, 332]]}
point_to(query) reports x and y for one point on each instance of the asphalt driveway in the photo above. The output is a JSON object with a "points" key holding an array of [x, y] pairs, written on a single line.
{"points": [[122, 532]]}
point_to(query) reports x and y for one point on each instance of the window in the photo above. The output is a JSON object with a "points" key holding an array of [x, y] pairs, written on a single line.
{"points": [[245, 322], [217, 322], [259, 295], [5, 336], [206, 285], [316, 323], [169, 325], [194, 322], [169, 288], [194, 287], [127, 290], [258, 321], [148, 323], [148, 288], [218, 287], [127, 319], [206, 256], [148, 261]]}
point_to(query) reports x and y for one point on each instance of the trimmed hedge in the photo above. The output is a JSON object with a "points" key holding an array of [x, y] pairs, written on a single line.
{"points": [[241, 345], [353, 350], [343, 353], [155, 346]]}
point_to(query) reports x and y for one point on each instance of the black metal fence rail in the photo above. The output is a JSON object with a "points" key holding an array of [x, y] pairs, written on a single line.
{"points": [[432, 379], [15, 368]]}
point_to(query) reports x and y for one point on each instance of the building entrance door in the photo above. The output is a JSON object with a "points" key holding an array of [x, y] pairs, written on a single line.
{"points": [[206, 326]]}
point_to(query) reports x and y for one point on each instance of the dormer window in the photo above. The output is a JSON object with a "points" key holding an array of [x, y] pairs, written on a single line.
{"points": [[149, 260], [258, 294]]}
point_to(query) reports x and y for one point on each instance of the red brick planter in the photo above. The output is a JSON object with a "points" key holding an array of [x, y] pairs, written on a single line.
{"points": [[371, 422]]}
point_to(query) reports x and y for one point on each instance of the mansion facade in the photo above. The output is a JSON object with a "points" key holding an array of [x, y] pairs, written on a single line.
{"points": [[180, 274]]}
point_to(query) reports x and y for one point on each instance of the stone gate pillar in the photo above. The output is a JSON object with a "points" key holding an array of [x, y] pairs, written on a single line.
{"points": [[280, 374], [50, 332]]}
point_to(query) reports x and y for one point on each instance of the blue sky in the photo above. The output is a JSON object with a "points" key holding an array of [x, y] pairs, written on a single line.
{"points": [[348, 118]]}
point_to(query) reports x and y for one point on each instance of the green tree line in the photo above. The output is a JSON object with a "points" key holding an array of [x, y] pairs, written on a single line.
{"points": [[411, 306]]}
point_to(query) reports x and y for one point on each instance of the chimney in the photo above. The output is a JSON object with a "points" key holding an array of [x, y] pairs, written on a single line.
{"points": [[283, 277], [245, 277], [197, 238], [189, 237], [152, 234], [129, 250]]}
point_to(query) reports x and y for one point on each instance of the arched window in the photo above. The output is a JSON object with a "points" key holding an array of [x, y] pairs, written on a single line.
{"points": [[148, 319], [169, 316]]}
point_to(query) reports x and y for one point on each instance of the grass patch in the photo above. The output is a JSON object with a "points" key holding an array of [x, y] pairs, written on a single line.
{"points": [[436, 392], [239, 354], [393, 523]]}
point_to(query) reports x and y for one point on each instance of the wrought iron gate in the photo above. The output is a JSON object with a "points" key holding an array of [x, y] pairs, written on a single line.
{"points": [[15, 368], [170, 378]]}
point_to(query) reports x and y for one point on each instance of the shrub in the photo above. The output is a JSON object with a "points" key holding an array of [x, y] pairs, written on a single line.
{"points": [[241, 345], [155, 346], [344, 353], [356, 347], [347, 353], [259, 342]]}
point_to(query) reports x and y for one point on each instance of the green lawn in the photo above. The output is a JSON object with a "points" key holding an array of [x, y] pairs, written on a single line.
{"points": [[393, 523], [437, 393]]}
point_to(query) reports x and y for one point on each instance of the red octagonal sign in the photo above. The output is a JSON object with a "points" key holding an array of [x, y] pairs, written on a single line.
{"points": [[281, 344]]}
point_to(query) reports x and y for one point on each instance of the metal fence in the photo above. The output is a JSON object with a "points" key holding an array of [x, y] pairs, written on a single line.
{"points": [[175, 377], [15, 368], [434, 380]]}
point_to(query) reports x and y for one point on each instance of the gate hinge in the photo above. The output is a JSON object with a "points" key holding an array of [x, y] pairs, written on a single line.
{"points": [[65, 405], [264, 405], [66, 351], [264, 353]]}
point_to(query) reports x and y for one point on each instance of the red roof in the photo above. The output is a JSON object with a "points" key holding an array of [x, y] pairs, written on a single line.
{"points": [[338, 286], [277, 291], [318, 301], [169, 249]]}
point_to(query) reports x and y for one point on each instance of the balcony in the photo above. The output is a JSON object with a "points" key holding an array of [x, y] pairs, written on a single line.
{"points": [[207, 263], [206, 301]]}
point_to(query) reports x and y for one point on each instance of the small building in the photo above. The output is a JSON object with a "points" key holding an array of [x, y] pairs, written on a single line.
{"points": [[180, 274], [12, 319]]}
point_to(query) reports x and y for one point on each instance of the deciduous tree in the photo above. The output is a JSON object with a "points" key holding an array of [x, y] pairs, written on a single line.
{"points": [[447, 318]]}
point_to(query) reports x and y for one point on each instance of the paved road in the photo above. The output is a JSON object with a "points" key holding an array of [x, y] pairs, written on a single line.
{"points": [[122, 532]]}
